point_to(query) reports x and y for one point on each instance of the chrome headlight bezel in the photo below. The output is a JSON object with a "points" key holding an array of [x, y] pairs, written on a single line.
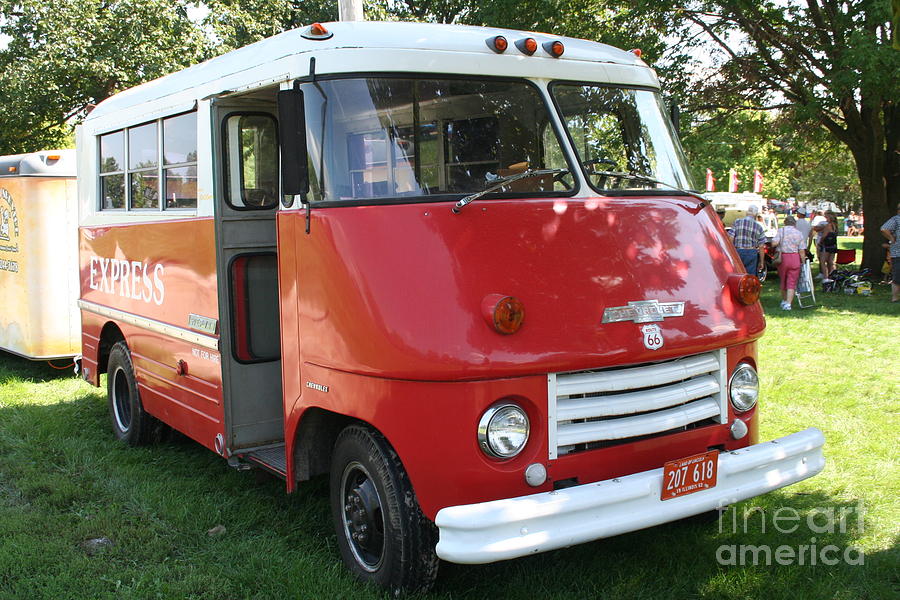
{"points": [[743, 388], [490, 434]]}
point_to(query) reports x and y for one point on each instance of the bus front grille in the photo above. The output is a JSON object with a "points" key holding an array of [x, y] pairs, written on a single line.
{"points": [[604, 407]]}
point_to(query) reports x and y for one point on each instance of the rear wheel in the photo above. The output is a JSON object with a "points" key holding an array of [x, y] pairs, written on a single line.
{"points": [[129, 421], [381, 532]]}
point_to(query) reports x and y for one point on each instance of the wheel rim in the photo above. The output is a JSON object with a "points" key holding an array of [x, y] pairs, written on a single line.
{"points": [[363, 517], [121, 400]]}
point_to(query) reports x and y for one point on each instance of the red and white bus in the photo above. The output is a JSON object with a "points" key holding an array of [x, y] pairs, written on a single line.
{"points": [[451, 267]]}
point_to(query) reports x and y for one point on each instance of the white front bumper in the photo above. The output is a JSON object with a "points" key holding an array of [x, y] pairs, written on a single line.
{"points": [[513, 527]]}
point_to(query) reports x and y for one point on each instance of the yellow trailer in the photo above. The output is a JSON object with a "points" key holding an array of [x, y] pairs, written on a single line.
{"points": [[39, 318]]}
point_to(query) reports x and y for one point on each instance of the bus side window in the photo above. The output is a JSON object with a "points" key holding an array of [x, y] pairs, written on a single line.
{"points": [[251, 161]]}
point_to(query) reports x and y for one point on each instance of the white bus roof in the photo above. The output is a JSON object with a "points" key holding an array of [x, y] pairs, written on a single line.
{"points": [[47, 163], [368, 46]]}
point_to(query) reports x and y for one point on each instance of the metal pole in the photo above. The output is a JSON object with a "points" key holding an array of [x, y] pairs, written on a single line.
{"points": [[351, 10]]}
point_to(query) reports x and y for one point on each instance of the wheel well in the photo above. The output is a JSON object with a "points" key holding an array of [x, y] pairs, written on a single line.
{"points": [[109, 337], [314, 441]]}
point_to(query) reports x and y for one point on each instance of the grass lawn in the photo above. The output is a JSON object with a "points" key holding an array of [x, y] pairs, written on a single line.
{"points": [[64, 480]]}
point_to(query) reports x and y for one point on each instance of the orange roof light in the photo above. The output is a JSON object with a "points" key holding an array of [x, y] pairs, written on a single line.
{"points": [[498, 44], [555, 49], [527, 46], [53, 157], [637, 52], [316, 31]]}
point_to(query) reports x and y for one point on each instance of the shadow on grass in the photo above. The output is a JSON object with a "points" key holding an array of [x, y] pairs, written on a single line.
{"points": [[879, 303], [71, 472], [13, 366]]}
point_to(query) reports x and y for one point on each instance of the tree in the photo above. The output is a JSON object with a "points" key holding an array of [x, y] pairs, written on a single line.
{"points": [[237, 23], [722, 140], [826, 62], [64, 56]]}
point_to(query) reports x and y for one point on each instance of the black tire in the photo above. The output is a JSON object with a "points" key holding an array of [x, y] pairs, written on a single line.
{"points": [[382, 534], [130, 423]]}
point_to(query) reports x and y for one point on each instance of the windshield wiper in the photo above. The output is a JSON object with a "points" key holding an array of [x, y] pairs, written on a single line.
{"points": [[501, 182], [645, 179]]}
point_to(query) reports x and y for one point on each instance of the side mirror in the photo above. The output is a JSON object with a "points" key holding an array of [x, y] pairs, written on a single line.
{"points": [[675, 116], [292, 137]]}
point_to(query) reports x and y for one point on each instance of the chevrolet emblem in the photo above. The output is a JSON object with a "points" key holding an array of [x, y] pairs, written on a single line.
{"points": [[643, 311]]}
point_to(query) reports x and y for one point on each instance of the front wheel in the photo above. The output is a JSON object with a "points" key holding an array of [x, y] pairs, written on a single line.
{"points": [[381, 532]]}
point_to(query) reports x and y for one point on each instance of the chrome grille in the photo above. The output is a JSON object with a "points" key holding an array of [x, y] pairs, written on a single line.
{"points": [[596, 408]]}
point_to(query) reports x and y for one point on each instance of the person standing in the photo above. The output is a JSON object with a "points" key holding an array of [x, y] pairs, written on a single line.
{"points": [[749, 238], [891, 230], [792, 244], [803, 226], [828, 245], [770, 221], [818, 225]]}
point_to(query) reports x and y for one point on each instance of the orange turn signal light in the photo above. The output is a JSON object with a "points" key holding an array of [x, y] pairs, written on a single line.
{"points": [[498, 44], [527, 46], [555, 49], [53, 157], [11, 169], [504, 313], [745, 288]]}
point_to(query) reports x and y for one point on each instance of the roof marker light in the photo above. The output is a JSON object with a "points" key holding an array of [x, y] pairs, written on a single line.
{"points": [[637, 52], [554, 49], [527, 46], [498, 44], [316, 31], [53, 157]]}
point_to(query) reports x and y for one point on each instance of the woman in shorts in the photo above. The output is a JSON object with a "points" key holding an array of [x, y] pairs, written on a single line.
{"points": [[792, 244], [828, 245]]}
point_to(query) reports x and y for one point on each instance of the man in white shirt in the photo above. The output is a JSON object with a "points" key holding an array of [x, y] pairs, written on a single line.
{"points": [[803, 225]]}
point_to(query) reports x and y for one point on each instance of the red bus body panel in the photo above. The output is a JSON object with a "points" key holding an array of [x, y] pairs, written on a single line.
{"points": [[382, 304], [171, 273]]}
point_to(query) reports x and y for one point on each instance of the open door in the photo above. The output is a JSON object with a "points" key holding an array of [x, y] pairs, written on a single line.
{"points": [[247, 193]]}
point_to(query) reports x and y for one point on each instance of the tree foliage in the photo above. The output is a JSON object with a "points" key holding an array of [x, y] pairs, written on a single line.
{"points": [[66, 55], [824, 62]]}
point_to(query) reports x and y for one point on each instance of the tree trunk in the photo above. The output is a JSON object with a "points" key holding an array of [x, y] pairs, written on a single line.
{"points": [[870, 168]]}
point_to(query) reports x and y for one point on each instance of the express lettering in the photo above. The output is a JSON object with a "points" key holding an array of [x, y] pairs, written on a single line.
{"points": [[128, 279]]}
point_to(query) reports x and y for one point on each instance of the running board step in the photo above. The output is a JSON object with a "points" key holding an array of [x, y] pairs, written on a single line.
{"points": [[272, 459]]}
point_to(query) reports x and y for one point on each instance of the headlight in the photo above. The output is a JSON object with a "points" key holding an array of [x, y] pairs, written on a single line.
{"points": [[503, 431], [744, 388]]}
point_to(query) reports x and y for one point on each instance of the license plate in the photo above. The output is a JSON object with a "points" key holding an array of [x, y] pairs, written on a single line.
{"points": [[688, 475]]}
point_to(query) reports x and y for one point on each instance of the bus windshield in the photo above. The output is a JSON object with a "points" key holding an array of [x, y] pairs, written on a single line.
{"points": [[382, 139], [619, 130]]}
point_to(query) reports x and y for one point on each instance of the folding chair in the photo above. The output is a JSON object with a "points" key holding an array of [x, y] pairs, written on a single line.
{"points": [[806, 289], [845, 257]]}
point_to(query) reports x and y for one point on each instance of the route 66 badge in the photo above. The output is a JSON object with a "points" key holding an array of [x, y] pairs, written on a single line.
{"points": [[653, 338]]}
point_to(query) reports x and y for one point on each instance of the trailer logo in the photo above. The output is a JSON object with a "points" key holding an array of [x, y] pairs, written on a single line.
{"points": [[653, 338], [643, 311], [8, 218]]}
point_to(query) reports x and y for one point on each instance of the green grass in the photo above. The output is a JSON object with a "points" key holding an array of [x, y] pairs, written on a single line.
{"points": [[64, 480]]}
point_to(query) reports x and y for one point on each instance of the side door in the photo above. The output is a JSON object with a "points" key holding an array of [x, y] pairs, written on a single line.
{"points": [[246, 200]]}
